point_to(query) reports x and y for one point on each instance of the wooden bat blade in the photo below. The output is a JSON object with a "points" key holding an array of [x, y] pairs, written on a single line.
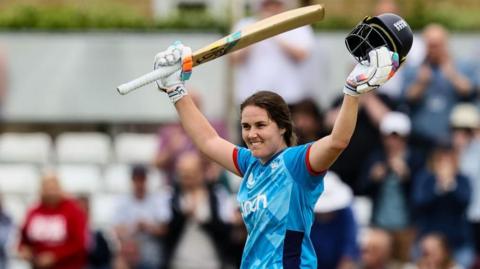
{"points": [[258, 31]]}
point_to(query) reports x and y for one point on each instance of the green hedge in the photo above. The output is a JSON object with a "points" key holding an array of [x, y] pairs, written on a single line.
{"points": [[24, 17], [117, 16]]}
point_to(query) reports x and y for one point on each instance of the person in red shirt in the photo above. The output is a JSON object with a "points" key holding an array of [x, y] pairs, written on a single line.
{"points": [[55, 230]]}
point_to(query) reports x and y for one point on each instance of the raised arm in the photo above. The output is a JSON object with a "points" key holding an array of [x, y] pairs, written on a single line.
{"points": [[364, 78], [204, 136]]}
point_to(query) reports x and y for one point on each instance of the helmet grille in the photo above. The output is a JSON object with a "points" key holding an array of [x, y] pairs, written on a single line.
{"points": [[362, 40]]}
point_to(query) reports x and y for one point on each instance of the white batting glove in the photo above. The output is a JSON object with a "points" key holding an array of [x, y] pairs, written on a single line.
{"points": [[176, 55], [369, 75]]}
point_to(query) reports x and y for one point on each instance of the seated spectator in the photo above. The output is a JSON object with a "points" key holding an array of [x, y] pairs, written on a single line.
{"points": [[376, 251], [100, 252], [308, 121], [140, 222], [54, 233], [432, 89], [441, 196], [435, 254], [387, 180], [201, 216], [334, 230]]}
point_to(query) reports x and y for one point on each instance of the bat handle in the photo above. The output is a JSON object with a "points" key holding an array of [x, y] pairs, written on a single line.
{"points": [[146, 79]]}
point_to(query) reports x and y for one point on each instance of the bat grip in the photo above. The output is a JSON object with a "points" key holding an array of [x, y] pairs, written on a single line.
{"points": [[146, 79]]}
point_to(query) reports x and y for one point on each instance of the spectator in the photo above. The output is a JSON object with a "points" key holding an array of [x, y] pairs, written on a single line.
{"points": [[440, 198], [334, 231], [435, 254], [199, 229], [432, 89], [465, 122], [387, 180], [7, 230], [275, 63], [308, 121], [376, 249], [54, 233], [100, 252], [173, 142], [140, 223]]}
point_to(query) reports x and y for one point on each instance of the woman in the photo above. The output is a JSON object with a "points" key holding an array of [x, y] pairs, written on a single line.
{"points": [[435, 253], [282, 181]]}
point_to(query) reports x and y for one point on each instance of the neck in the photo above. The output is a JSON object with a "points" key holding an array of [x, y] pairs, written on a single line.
{"points": [[266, 159]]}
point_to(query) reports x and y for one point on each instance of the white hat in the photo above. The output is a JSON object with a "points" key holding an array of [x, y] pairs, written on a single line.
{"points": [[465, 116], [336, 194], [395, 122]]}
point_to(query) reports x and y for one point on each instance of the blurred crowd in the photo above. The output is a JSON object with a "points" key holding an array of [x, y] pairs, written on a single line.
{"points": [[415, 155]]}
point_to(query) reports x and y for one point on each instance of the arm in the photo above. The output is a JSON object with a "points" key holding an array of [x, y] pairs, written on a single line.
{"points": [[296, 53], [204, 135], [463, 86], [416, 90], [297, 44], [366, 76], [326, 150]]}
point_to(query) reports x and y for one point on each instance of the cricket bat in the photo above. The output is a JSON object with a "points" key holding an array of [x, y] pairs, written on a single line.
{"points": [[251, 34]]}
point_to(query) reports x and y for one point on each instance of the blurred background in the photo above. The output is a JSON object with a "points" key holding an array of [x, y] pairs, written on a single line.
{"points": [[76, 156]]}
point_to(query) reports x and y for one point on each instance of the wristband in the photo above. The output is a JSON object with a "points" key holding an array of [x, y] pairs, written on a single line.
{"points": [[177, 93]]}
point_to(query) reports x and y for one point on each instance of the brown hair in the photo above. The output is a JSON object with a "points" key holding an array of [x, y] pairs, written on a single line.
{"points": [[277, 110]]}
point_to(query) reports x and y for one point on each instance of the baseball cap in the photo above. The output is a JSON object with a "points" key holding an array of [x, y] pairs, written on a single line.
{"points": [[395, 123], [336, 194], [465, 116]]}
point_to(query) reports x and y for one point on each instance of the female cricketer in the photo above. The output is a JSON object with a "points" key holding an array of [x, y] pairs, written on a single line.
{"points": [[281, 181]]}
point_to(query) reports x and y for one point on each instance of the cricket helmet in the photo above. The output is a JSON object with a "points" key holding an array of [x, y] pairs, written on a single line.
{"points": [[387, 29]]}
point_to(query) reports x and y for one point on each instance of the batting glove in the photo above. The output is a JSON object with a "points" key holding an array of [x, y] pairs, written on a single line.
{"points": [[176, 55], [369, 75]]}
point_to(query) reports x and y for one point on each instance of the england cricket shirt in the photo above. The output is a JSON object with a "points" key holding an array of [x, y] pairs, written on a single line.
{"points": [[277, 200]]}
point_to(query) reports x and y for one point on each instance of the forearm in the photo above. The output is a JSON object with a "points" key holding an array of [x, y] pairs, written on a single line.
{"points": [[326, 150], [415, 91], [462, 85], [195, 124], [344, 125], [294, 52], [375, 108]]}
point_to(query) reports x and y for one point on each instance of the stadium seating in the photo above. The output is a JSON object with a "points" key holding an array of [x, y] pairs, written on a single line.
{"points": [[25, 148], [80, 178], [19, 179], [135, 148], [93, 148]]}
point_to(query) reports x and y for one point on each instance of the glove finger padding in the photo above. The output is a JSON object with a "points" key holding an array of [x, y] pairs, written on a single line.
{"points": [[369, 75], [175, 55]]}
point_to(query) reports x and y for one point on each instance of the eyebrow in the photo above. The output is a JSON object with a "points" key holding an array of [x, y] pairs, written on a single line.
{"points": [[256, 122]]}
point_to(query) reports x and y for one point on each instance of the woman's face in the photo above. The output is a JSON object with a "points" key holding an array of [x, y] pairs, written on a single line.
{"points": [[260, 133], [432, 251]]}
